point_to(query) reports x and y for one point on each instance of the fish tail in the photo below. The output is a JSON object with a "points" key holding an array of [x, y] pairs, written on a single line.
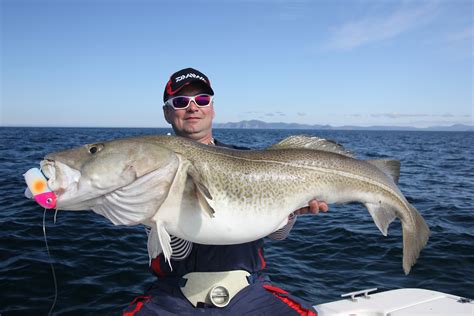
{"points": [[414, 239]]}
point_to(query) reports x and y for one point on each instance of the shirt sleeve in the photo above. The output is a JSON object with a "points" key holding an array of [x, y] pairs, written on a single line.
{"points": [[181, 248], [283, 232]]}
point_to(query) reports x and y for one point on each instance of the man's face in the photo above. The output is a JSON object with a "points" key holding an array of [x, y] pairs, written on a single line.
{"points": [[193, 122]]}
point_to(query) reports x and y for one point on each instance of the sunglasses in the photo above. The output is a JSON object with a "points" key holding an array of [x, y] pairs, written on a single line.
{"points": [[183, 102]]}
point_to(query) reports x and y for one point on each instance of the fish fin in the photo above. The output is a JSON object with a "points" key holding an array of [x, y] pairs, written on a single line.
{"points": [[202, 192], [382, 215], [181, 248], [388, 166], [414, 239], [165, 242], [312, 142], [153, 244], [205, 204], [193, 173]]}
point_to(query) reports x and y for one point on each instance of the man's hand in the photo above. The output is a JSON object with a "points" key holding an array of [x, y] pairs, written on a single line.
{"points": [[314, 206]]}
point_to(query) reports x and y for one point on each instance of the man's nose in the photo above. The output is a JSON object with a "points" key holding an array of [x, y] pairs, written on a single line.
{"points": [[193, 106]]}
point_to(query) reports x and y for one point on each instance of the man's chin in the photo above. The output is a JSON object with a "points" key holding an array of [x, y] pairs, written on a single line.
{"points": [[195, 127]]}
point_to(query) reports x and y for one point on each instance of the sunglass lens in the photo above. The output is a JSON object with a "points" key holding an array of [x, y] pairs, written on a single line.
{"points": [[180, 102], [203, 100]]}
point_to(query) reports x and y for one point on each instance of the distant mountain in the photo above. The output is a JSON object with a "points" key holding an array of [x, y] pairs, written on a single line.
{"points": [[455, 127], [256, 124]]}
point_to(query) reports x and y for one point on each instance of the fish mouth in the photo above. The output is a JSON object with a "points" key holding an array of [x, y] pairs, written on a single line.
{"points": [[62, 179], [48, 169]]}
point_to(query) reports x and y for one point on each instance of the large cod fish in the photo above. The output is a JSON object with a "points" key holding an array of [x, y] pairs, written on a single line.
{"points": [[214, 195]]}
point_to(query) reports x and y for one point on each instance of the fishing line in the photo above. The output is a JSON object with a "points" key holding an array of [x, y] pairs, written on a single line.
{"points": [[50, 262]]}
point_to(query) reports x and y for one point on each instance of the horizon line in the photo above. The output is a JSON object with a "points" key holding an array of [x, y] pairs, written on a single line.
{"points": [[321, 127]]}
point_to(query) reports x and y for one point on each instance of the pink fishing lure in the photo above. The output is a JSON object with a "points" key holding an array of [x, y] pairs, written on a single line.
{"points": [[38, 186]]}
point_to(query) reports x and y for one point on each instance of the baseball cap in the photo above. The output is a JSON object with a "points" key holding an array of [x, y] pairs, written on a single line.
{"points": [[182, 78]]}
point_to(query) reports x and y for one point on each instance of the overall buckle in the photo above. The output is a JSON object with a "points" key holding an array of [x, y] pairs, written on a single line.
{"points": [[214, 288]]}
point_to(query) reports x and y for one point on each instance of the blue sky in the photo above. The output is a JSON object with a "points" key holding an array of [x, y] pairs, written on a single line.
{"points": [[105, 62]]}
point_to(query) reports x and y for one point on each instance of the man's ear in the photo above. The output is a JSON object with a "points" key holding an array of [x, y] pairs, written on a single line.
{"points": [[166, 113]]}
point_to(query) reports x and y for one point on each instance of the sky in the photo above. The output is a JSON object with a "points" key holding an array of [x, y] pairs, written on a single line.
{"points": [[104, 63]]}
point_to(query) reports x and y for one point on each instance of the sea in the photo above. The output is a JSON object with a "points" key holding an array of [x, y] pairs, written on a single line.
{"points": [[99, 268]]}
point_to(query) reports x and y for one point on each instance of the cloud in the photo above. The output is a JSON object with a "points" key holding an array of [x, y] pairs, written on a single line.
{"points": [[396, 115], [462, 35], [447, 115], [301, 114], [382, 27], [269, 114]]}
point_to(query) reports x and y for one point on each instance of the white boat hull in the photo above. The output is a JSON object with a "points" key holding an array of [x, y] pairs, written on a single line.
{"points": [[401, 302]]}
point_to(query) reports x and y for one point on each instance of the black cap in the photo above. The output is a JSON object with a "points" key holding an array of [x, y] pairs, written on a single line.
{"points": [[182, 78]]}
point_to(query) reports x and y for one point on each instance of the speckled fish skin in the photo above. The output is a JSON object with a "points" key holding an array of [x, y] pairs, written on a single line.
{"points": [[216, 195]]}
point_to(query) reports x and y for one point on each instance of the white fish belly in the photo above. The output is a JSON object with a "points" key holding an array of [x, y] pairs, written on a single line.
{"points": [[226, 227]]}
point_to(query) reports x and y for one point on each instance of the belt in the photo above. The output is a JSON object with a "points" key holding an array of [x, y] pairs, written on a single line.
{"points": [[214, 288]]}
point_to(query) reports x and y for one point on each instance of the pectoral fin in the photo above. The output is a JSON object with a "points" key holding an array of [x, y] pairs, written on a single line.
{"points": [[202, 192], [196, 177]]}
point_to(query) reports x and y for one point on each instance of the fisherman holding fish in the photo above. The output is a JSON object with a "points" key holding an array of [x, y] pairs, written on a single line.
{"points": [[208, 205], [214, 279]]}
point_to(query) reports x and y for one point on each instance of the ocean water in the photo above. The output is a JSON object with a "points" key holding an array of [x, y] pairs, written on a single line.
{"points": [[100, 267]]}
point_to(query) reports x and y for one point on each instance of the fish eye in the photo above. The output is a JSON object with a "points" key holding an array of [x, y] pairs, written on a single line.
{"points": [[95, 148]]}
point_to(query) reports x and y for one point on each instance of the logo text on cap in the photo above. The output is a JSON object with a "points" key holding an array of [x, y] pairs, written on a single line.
{"points": [[190, 75]]}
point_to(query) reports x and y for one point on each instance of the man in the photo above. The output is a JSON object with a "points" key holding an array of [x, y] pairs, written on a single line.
{"points": [[189, 109]]}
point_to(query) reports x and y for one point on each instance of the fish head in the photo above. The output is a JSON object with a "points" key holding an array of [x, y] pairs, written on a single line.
{"points": [[81, 175]]}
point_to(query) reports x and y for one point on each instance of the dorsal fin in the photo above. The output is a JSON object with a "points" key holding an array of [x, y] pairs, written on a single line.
{"points": [[390, 167], [312, 142]]}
